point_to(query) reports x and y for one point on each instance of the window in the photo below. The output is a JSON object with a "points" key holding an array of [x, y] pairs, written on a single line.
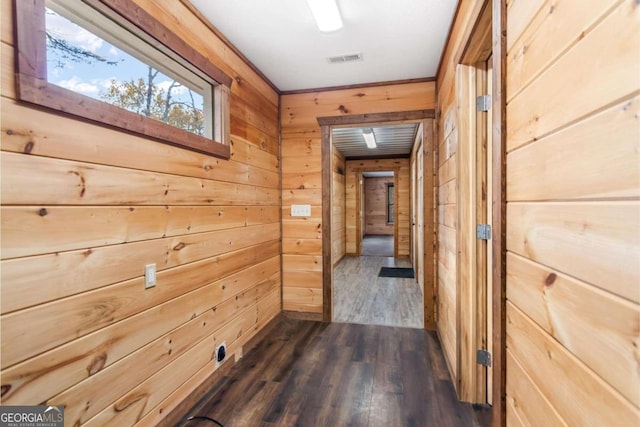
{"points": [[390, 204], [87, 59]]}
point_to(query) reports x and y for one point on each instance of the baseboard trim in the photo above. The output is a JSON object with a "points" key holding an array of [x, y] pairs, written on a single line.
{"points": [[300, 315]]}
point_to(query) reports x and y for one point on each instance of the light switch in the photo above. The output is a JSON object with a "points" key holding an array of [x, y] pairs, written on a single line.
{"points": [[300, 210], [149, 276]]}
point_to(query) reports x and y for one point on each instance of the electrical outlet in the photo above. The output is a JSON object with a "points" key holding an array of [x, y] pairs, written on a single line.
{"points": [[149, 276], [301, 210]]}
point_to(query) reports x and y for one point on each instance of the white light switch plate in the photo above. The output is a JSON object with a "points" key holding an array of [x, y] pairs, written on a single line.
{"points": [[149, 275], [300, 210]]}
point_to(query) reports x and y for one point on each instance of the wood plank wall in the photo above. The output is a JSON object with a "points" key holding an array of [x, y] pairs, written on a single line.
{"points": [[339, 214], [448, 203], [86, 207], [375, 206], [573, 212], [301, 169]]}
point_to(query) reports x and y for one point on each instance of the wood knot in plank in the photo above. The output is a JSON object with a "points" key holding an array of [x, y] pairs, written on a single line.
{"points": [[550, 280], [179, 246], [5, 389], [97, 364], [127, 401], [42, 212], [28, 148], [360, 94], [83, 186], [343, 109]]}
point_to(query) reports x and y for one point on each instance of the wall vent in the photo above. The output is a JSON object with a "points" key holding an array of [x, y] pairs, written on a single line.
{"points": [[344, 58]]}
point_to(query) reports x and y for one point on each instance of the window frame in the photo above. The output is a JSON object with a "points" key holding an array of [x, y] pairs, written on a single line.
{"points": [[33, 87], [391, 202]]}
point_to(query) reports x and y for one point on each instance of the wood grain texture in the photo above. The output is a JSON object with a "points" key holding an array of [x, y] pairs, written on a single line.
{"points": [[339, 214], [86, 356], [565, 307], [574, 386], [555, 23], [36, 230], [375, 211], [75, 249], [609, 171], [596, 242], [361, 297], [572, 216], [526, 401], [548, 103]]}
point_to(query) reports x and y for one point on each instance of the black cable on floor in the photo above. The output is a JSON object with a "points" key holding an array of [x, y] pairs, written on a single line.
{"points": [[202, 417]]}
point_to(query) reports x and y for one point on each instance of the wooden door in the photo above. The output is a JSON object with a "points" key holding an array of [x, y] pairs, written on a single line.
{"points": [[489, 219], [414, 204], [484, 198], [420, 213]]}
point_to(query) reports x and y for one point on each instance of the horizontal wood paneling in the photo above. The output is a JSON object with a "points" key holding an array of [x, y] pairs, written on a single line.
{"points": [[525, 399], [608, 235], [31, 379], [266, 311], [74, 183], [85, 207], [549, 103], [375, 206], [301, 146], [35, 230], [610, 170], [564, 307], [542, 358], [573, 212], [46, 134], [96, 392], [556, 23], [89, 311], [339, 214]]}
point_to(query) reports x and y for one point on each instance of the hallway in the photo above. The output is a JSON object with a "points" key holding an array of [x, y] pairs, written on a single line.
{"points": [[360, 296]]}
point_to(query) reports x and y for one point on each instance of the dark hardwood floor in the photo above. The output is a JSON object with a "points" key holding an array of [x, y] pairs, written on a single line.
{"points": [[308, 373]]}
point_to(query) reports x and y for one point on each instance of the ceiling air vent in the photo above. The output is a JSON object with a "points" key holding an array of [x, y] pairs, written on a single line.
{"points": [[345, 58]]}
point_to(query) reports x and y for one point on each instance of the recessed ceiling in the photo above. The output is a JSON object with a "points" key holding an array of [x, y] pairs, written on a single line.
{"points": [[397, 40], [391, 141]]}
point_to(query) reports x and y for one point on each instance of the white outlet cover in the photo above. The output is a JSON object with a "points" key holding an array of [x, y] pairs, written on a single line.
{"points": [[301, 210]]}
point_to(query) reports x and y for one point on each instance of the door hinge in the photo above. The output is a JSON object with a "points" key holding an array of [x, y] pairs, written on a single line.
{"points": [[483, 103], [483, 357], [483, 232]]}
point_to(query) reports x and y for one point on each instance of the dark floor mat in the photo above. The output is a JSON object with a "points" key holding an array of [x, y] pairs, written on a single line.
{"points": [[404, 273]]}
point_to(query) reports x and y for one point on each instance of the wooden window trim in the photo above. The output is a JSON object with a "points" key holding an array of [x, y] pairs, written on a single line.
{"points": [[33, 87]]}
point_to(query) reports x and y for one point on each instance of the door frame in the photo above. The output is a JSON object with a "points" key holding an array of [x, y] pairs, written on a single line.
{"points": [[361, 205], [487, 37], [326, 123]]}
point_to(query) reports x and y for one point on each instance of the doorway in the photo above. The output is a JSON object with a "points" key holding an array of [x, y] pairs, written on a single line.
{"points": [[402, 177], [378, 214]]}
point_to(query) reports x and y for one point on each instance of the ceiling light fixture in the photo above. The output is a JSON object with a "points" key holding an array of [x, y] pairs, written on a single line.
{"points": [[326, 14], [369, 138]]}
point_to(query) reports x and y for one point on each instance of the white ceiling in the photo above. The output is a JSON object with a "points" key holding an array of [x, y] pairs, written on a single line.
{"points": [[401, 39]]}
